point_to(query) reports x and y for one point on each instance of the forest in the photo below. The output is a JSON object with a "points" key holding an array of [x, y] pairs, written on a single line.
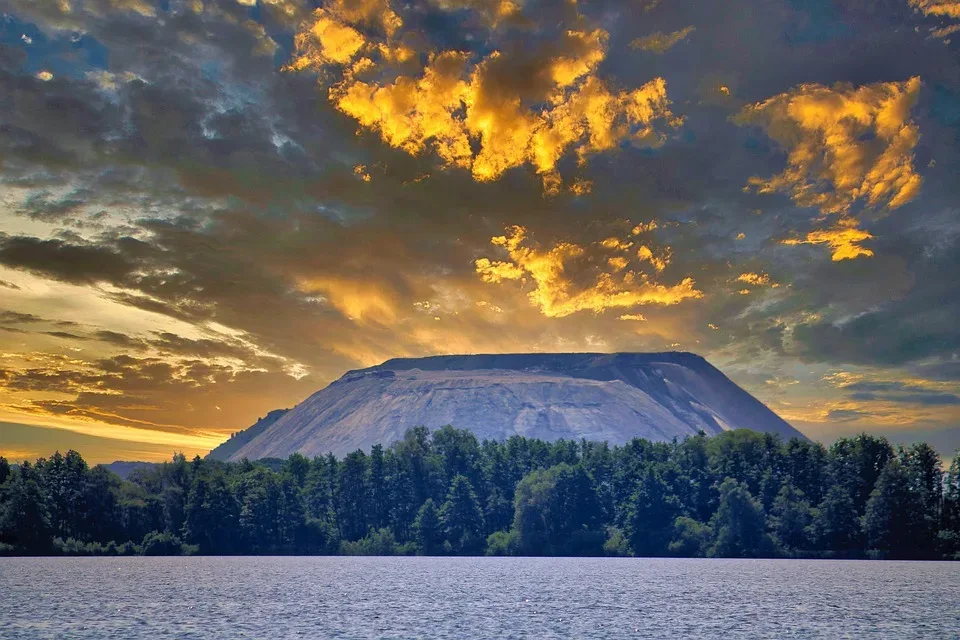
{"points": [[738, 494]]}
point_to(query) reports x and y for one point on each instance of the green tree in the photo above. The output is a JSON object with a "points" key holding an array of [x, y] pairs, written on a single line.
{"points": [[319, 488], [691, 538], [353, 497], [893, 514], [557, 512], [857, 463], [949, 534], [790, 518], [498, 513], [462, 517], [428, 530], [650, 515], [459, 454], [836, 525], [156, 543], [379, 492], [297, 467], [739, 524], [924, 469], [25, 520], [212, 515], [62, 481]]}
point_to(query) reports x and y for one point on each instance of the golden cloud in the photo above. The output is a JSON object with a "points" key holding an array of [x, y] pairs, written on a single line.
{"points": [[844, 144], [361, 302], [659, 263], [645, 227], [756, 279], [944, 8], [486, 114], [662, 42], [568, 277], [947, 10], [843, 240]]}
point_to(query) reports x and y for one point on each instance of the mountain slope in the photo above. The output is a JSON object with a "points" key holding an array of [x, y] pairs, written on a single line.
{"points": [[239, 439], [612, 397]]}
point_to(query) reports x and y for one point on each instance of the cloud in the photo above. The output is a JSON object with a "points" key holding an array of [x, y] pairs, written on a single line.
{"points": [[755, 279], [522, 105], [844, 144], [660, 42], [189, 188], [947, 11], [62, 260], [843, 240], [947, 8], [567, 278], [15, 317], [919, 392]]}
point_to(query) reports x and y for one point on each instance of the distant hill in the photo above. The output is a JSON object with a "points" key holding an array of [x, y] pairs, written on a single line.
{"points": [[124, 469], [612, 397], [228, 449]]}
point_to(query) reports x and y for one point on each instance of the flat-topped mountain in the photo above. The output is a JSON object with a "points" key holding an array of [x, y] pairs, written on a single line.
{"points": [[613, 397]]}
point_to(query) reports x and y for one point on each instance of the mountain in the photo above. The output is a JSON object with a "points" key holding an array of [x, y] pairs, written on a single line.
{"points": [[125, 469], [239, 439], [613, 397]]}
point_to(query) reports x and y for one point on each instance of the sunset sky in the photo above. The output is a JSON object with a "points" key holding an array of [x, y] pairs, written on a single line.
{"points": [[212, 208]]}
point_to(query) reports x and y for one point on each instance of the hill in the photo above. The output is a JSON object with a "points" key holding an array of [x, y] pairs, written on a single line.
{"points": [[609, 397]]}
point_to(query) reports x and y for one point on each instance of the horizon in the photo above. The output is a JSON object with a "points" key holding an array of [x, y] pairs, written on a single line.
{"points": [[213, 209], [158, 453]]}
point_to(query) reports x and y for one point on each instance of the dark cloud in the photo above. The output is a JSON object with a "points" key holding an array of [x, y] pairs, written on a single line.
{"points": [[15, 317], [63, 261], [171, 168], [899, 392]]}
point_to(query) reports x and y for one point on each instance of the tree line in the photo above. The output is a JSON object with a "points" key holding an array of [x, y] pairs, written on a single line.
{"points": [[738, 494]]}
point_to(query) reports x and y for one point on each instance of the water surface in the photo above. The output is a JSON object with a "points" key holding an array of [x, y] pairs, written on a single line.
{"points": [[475, 598]]}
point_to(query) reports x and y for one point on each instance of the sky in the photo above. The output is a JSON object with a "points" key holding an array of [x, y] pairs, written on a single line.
{"points": [[210, 209]]}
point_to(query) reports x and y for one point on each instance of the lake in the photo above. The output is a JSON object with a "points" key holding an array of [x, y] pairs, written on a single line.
{"points": [[343, 597]]}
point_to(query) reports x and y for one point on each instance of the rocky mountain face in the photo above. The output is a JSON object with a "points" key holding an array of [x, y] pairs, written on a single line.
{"points": [[612, 397], [241, 438]]}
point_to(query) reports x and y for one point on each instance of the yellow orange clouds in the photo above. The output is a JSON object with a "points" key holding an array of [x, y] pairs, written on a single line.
{"points": [[484, 113], [568, 277], [845, 145]]}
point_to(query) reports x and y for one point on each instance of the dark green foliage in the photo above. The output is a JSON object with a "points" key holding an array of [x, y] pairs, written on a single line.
{"points": [[737, 494], [892, 517], [379, 542], [462, 518], [691, 538], [790, 519], [428, 529], [948, 538], [739, 524], [649, 516], [616, 544], [503, 543], [557, 512], [212, 514], [836, 524], [156, 543], [25, 519]]}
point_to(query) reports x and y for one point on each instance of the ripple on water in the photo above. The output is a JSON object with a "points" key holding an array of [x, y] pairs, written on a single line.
{"points": [[122, 598]]}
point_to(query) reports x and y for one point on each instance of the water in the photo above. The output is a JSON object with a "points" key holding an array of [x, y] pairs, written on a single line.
{"points": [[475, 598]]}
